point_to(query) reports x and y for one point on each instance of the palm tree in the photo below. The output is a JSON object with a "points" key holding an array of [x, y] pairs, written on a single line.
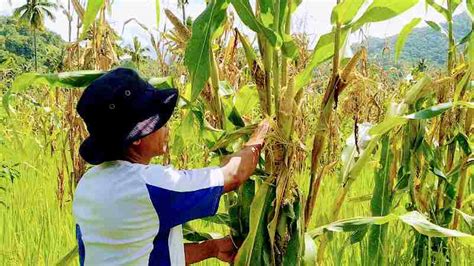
{"points": [[136, 52], [32, 13]]}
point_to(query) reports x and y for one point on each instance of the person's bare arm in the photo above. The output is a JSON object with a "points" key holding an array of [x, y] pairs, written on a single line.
{"points": [[222, 249], [238, 167]]}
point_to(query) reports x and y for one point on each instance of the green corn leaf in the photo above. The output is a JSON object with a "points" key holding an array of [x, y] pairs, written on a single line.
{"points": [[230, 137], [246, 99], [185, 132], [414, 219], [430, 112], [92, 9], [246, 14], [323, 51], [351, 224], [345, 11], [469, 219], [465, 39], [470, 8], [380, 204], [420, 89], [289, 47], [66, 79], [386, 125], [254, 249], [402, 37], [197, 58], [219, 218], [463, 142], [381, 10], [421, 224], [460, 85], [435, 26], [190, 234], [454, 5], [443, 11], [68, 258]]}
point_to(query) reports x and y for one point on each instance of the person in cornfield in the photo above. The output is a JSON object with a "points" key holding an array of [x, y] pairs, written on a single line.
{"points": [[130, 212]]}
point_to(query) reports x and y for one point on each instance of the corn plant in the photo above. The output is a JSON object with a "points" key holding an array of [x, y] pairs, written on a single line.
{"points": [[270, 213]]}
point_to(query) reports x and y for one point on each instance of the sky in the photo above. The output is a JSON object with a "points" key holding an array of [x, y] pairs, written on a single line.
{"points": [[312, 17]]}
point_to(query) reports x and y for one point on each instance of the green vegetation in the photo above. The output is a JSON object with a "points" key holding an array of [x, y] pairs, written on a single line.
{"points": [[424, 42], [17, 49], [361, 167]]}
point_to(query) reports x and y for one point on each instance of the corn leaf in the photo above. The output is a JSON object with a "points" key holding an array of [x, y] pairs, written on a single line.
{"points": [[469, 219], [219, 218], [414, 219], [402, 37], [254, 249], [246, 14], [67, 259], [435, 26], [470, 8], [381, 10], [443, 11], [230, 137], [65, 79], [421, 224], [386, 125], [461, 84], [323, 51], [197, 57], [185, 132], [430, 112], [92, 9], [345, 11], [190, 234], [380, 204], [246, 99]]}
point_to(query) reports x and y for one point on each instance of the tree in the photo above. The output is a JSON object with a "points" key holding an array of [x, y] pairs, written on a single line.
{"points": [[32, 13], [136, 52]]}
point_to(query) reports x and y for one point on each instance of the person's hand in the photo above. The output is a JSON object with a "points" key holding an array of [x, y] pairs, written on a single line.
{"points": [[254, 145], [224, 249], [258, 137], [239, 166]]}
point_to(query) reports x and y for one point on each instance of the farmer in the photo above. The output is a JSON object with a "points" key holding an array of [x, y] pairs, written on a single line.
{"points": [[128, 211]]}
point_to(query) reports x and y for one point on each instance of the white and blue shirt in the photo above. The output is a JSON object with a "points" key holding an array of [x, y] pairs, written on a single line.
{"points": [[131, 214]]}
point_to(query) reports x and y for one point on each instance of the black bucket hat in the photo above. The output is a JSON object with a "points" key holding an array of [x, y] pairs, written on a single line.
{"points": [[119, 108]]}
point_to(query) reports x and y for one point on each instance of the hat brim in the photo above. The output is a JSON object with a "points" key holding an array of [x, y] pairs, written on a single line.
{"points": [[158, 104]]}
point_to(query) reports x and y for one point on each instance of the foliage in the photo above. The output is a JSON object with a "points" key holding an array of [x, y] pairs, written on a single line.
{"points": [[16, 47]]}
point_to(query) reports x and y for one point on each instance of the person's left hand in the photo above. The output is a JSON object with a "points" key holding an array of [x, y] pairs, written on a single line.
{"points": [[224, 249]]}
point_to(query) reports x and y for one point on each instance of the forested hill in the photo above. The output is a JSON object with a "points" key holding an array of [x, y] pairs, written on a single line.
{"points": [[16, 47], [423, 42]]}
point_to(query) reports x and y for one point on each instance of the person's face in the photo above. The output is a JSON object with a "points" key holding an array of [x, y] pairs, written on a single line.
{"points": [[155, 144]]}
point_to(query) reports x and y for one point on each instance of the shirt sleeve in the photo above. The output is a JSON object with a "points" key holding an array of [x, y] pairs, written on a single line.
{"points": [[180, 196]]}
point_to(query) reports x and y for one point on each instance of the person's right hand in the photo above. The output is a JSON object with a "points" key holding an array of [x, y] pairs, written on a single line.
{"points": [[238, 167]]}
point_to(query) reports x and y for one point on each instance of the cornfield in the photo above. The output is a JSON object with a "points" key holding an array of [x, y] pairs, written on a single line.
{"points": [[356, 170]]}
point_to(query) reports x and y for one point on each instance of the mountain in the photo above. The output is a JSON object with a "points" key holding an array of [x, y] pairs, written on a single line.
{"points": [[16, 47], [422, 43]]}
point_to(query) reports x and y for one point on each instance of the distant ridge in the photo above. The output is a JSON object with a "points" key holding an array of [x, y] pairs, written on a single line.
{"points": [[423, 42]]}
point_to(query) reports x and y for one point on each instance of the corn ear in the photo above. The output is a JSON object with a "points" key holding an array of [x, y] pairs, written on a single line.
{"points": [[183, 32]]}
